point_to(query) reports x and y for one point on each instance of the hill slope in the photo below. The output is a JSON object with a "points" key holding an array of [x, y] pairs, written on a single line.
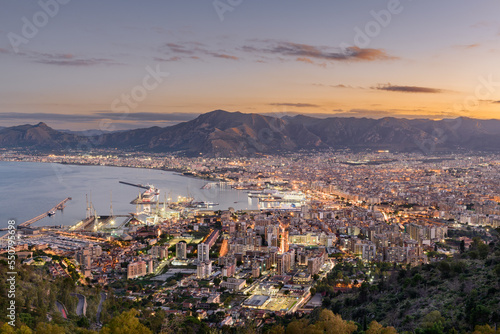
{"points": [[459, 293], [222, 133]]}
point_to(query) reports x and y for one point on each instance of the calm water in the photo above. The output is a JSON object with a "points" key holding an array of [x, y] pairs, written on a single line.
{"points": [[28, 189]]}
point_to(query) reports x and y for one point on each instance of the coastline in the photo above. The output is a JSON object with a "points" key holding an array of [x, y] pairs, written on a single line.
{"points": [[190, 183], [176, 171]]}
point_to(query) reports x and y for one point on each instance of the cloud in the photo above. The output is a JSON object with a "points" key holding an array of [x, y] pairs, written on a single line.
{"points": [[296, 105], [71, 60], [307, 53], [61, 59], [482, 24], [194, 50], [174, 58], [408, 89], [335, 86], [305, 60], [396, 113], [280, 51], [225, 56], [148, 116], [99, 115], [468, 46]]}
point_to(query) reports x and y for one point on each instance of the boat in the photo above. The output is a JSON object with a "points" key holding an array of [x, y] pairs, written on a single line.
{"points": [[270, 195], [266, 193], [51, 213], [203, 204], [150, 195]]}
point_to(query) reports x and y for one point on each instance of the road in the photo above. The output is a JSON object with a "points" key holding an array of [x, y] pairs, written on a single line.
{"points": [[99, 308], [81, 308], [62, 309]]}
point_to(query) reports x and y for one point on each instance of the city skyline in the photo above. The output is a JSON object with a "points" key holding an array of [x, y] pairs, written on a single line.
{"points": [[174, 61]]}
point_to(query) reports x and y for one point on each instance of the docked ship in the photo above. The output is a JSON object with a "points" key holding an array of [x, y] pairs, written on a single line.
{"points": [[266, 193], [273, 195], [150, 195]]}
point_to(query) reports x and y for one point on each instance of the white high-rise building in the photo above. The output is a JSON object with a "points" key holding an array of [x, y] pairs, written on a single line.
{"points": [[203, 252], [204, 269]]}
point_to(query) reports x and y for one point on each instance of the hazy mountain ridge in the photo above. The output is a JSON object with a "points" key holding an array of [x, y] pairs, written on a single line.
{"points": [[223, 133], [39, 136]]}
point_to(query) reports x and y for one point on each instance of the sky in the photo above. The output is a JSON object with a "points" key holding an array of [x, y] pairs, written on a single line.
{"points": [[113, 65]]}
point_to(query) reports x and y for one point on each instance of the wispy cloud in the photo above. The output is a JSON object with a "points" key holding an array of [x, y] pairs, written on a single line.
{"points": [[98, 115], [308, 53], [468, 46], [148, 116], [397, 113], [71, 60], [173, 58], [407, 89], [296, 105], [192, 50], [61, 59], [335, 86], [272, 50], [225, 56]]}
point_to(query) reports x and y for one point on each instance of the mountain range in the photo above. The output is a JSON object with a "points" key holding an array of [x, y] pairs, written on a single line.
{"points": [[222, 133]]}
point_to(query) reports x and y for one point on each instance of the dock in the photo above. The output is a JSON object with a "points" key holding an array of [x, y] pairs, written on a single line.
{"points": [[58, 206]]}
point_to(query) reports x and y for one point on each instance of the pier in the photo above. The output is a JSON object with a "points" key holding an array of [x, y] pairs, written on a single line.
{"points": [[58, 206]]}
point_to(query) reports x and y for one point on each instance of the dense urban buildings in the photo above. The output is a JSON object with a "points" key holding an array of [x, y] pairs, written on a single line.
{"points": [[374, 208]]}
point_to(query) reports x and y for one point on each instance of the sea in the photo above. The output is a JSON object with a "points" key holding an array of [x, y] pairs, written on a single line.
{"points": [[28, 189]]}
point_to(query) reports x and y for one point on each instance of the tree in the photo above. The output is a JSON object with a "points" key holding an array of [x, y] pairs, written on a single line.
{"points": [[376, 328], [432, 321], [279, 329], [125, 323], [297, 327], [462, 246], [486, 329], [44, 328], [331, 323], [7, 329]]}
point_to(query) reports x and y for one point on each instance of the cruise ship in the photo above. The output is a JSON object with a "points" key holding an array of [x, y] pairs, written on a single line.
{"points": [[150, 195], [272, 195]]}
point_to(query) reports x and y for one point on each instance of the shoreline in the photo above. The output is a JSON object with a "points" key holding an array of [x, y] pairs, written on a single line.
{"points": [[176, 171], [170, 173]]}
